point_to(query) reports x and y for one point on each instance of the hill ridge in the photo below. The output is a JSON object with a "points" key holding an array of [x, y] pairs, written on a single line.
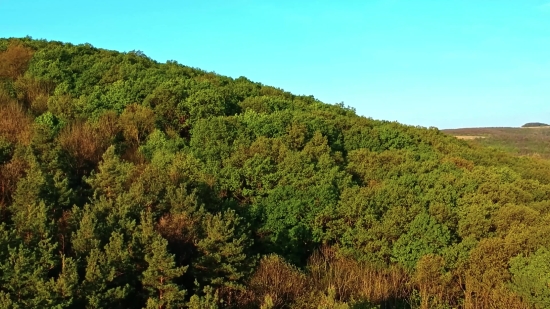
{"points": [[128, 183]]}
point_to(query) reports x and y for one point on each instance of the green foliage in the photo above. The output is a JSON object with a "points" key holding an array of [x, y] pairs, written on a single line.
{"points": [[50, 122], [531, 277], [329, 301], [24, 278], [113, 176], [127, 183], [209, 300], [290, 217], [211, 139], [6, 149], [223, 259], [158, 277], [101, 276], [424, 236], [159, 149]]}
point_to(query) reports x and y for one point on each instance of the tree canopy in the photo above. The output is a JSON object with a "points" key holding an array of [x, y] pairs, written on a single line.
{"points": [[128, 183]]}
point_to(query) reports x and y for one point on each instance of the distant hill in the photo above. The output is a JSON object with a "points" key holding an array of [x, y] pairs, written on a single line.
{"points": [[534, 125], [532, 139]]}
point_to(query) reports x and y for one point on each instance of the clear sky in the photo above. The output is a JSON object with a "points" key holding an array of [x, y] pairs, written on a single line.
{"points": [[443, 63]]}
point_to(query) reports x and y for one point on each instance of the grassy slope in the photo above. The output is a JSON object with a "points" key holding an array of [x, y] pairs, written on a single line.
{"points": [[519, 141]]}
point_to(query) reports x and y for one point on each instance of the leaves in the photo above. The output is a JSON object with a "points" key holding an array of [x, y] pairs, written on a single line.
{"points": [[127, 183]]}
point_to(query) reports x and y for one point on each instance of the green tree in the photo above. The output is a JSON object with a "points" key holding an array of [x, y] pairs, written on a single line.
{"points": [[25, 280], [531, 277], [108, 279], [158, 278], [224, 257], [209, 300], [114, 176], [425, 236]]}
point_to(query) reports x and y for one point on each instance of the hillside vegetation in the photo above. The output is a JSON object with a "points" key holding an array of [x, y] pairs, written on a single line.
{"points": [[127, 183], [533, 141]]}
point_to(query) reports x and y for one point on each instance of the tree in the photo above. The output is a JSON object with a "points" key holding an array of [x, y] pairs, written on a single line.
{"points": [[158, 278], [137, 122], [14, 60], [25, 281], [114, 176], [531, 277], [109, 275], [224, 258], [425, 236]]}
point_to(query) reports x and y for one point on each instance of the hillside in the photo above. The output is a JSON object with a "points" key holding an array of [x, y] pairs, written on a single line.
{"points": [[525, 141], [128, 183]]}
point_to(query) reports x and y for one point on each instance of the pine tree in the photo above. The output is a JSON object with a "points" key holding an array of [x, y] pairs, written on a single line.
{"points": [[158, 278], [102, 287], [113, 177], [209, 300], [24, 278], [223, 259]]}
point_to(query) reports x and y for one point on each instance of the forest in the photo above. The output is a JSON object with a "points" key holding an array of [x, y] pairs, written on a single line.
{"points": [[129, 183]]}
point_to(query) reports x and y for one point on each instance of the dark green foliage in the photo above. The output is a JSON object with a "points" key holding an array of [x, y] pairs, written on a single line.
{"points": [[126, 183], [423, 236], [210, 300], [291, 219], [159, 276], [534, 124], [223, 248], [6, 150]]}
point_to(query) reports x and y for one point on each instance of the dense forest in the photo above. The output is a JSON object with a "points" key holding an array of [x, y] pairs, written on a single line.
{"points": [[128, 183]]}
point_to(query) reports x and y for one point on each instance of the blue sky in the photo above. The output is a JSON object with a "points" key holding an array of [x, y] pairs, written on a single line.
{"points": [[449, 64]]}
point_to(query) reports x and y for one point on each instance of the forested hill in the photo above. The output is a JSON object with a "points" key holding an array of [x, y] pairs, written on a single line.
{"points": [[127, 183]]}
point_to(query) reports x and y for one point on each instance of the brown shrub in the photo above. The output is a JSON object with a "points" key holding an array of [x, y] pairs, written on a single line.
{"points": [[34, 93], [481, 297], [10, 173], [108, 125], [329, 270], [84, 144], [181, 231], [14, 61], [487, 275], [356, 280], [15, 124], [277, 279], [137, 122], [433, 283], [5, 98]]}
